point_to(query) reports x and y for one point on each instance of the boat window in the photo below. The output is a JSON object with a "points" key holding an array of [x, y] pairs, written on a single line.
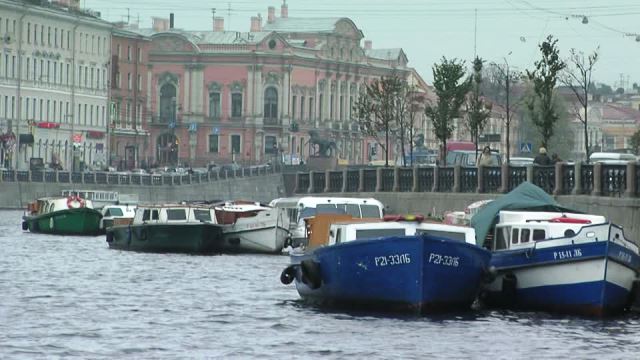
{"points": [[114, 212], [502, 235], [176, 214], [309, 212], [325, 208], [338, 234], [539, 234], [525, 234], [451, 235], [202, 215], [146, 215], [155, 215], [351, 209], [374, 233], [293, 214], [515, 236], [370, 211]]}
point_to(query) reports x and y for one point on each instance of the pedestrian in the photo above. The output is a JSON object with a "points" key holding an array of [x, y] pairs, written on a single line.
{"points": [[542, 158], [555, 158], [485, 158]]}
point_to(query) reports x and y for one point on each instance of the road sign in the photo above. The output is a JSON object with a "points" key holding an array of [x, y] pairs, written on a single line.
{"points": [[172, 124], [525, 147], [215, 130], [193, 127]]}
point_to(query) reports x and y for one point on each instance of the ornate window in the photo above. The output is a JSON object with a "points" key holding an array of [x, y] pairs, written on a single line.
{"points": [[271, 103], [236, 105], [213, 143], [168, 103], [235, 144], [214, 105], [270, 144]]}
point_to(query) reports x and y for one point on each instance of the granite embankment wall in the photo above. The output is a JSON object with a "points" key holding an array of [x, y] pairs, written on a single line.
{"points": [[620, 210], [263, 188]]}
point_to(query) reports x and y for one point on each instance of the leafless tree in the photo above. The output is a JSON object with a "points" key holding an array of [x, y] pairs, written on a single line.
{"points": [[577, 77]]}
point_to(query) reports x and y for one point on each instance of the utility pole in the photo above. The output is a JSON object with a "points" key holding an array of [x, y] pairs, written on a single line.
{"points": [[508, 112], [19, 87]]}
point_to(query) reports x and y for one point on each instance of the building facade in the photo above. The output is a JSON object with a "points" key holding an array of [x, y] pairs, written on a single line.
{"points": [[54, 72], [272, 93], [128, 138]]}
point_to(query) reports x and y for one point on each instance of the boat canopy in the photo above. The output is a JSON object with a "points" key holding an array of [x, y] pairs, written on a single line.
{"points": [[524, 197]]}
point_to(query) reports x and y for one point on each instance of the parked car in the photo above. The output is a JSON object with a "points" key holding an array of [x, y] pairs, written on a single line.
{"points": [[230, 167], [467, 158], [520, 161], [611, 158]]}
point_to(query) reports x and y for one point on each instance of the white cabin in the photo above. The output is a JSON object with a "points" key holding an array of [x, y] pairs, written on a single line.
{"points": [[174, 214], [349, 231]]}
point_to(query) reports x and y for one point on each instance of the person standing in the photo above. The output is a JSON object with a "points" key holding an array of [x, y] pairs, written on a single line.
{"points": [[485, 158], [542, 158]]}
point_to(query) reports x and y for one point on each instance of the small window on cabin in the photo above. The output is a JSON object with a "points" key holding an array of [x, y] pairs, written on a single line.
{"points": [[376, 233], [176, 214], [370, 211], [539, 234], [146, 215], [457, 236], [501, 239], [525, 234], [155, 215], [325, 208], [351, 209], [114, 212], [202, 215], [515, 236]]}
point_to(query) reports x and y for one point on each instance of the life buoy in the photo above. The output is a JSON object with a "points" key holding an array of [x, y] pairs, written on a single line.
{"points": [[25, 226], [75, 202]]}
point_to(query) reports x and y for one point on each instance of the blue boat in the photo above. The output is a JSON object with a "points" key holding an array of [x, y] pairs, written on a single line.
{"points": [[391, 266], [558, 261]]}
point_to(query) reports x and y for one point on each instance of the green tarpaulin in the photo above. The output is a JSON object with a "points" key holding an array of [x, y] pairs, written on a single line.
{"points": [[524, 197]]}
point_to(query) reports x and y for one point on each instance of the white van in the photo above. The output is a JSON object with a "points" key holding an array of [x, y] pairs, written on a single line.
{"points": [[612, 158], [297, 209]]}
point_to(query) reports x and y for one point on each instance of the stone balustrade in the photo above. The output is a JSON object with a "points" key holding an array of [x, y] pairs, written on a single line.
{"points": [[127, 179], [560, 179]]}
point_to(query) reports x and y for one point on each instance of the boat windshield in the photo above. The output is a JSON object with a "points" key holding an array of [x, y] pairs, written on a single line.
{"points": [[321, 209], [458, 236], [113, 212], [376, 233], [370, 211]]}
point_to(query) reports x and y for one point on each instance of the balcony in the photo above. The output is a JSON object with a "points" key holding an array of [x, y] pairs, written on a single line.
{"points": [[271, 121]]}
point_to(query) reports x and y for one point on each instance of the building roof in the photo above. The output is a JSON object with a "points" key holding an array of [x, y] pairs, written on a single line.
{"points": [[617, 112], [384, 54], [303, 24]]}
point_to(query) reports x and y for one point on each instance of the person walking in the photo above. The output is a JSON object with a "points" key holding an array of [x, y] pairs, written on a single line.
{"points": [[542, 158], [555, 158]]}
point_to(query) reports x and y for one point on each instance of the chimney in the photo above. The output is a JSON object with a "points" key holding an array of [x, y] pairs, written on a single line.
{"points": [[284, 10], [218, 24], [271, 14], [160, 24], [256, 23], [171, 21], [368, 44]]}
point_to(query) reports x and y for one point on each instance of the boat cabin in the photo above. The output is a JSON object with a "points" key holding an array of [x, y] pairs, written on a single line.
{"points": [[520, 229], [340, 229], [50, 204], [178, 213], [230, 212]]}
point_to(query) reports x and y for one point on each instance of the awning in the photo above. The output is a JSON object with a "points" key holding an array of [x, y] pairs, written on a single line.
{"points": [[48, 125], [92, 134]]}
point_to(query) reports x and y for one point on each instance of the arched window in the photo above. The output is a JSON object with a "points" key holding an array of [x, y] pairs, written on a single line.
{"points": [[271, 103], [214, 105], [168, 103]]}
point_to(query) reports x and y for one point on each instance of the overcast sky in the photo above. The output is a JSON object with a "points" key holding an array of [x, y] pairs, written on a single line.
{"points": [[430, 29]]}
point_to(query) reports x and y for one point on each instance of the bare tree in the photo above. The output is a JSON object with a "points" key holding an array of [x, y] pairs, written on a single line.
{"points": [[578, 78]]}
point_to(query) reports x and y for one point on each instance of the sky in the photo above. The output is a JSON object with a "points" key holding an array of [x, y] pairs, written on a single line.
{"points": [[496, 30]]}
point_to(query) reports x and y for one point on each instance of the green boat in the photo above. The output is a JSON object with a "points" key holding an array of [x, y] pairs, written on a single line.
{"points": [[69, 215], [179, 228]]}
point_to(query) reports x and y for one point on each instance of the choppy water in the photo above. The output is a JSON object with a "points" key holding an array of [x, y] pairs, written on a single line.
{"points": [[73, 297]]}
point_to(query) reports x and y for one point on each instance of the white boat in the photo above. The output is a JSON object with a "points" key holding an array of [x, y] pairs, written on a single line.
{"points": [[116, 214], [564, 262], [252, 227], [297, 209]]}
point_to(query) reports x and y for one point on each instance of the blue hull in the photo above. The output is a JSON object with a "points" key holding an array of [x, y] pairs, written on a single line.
{"points": [[410, 273], [586, 278]]}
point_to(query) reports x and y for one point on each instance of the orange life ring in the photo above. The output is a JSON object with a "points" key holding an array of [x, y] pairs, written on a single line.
{"points": [[75, 202]]}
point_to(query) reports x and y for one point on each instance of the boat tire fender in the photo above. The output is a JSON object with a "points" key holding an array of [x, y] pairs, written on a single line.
{"points": [[143, 234], [509, 287], [288, 274], [311, 274], [109, 237], [634, 296], [25, 226]]}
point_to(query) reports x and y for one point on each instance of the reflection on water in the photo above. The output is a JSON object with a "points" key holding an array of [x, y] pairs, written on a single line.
{"points": [[73, 297]]}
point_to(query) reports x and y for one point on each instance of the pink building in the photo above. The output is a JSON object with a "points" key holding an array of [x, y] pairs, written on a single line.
{"points": [[222, 96], [129, 139]]}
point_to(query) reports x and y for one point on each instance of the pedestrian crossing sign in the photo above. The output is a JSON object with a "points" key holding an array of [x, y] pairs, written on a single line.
{"points": [[525, 147]]}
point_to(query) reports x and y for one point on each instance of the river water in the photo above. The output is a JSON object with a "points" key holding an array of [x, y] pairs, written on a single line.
{"points": [[73, 297]]}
